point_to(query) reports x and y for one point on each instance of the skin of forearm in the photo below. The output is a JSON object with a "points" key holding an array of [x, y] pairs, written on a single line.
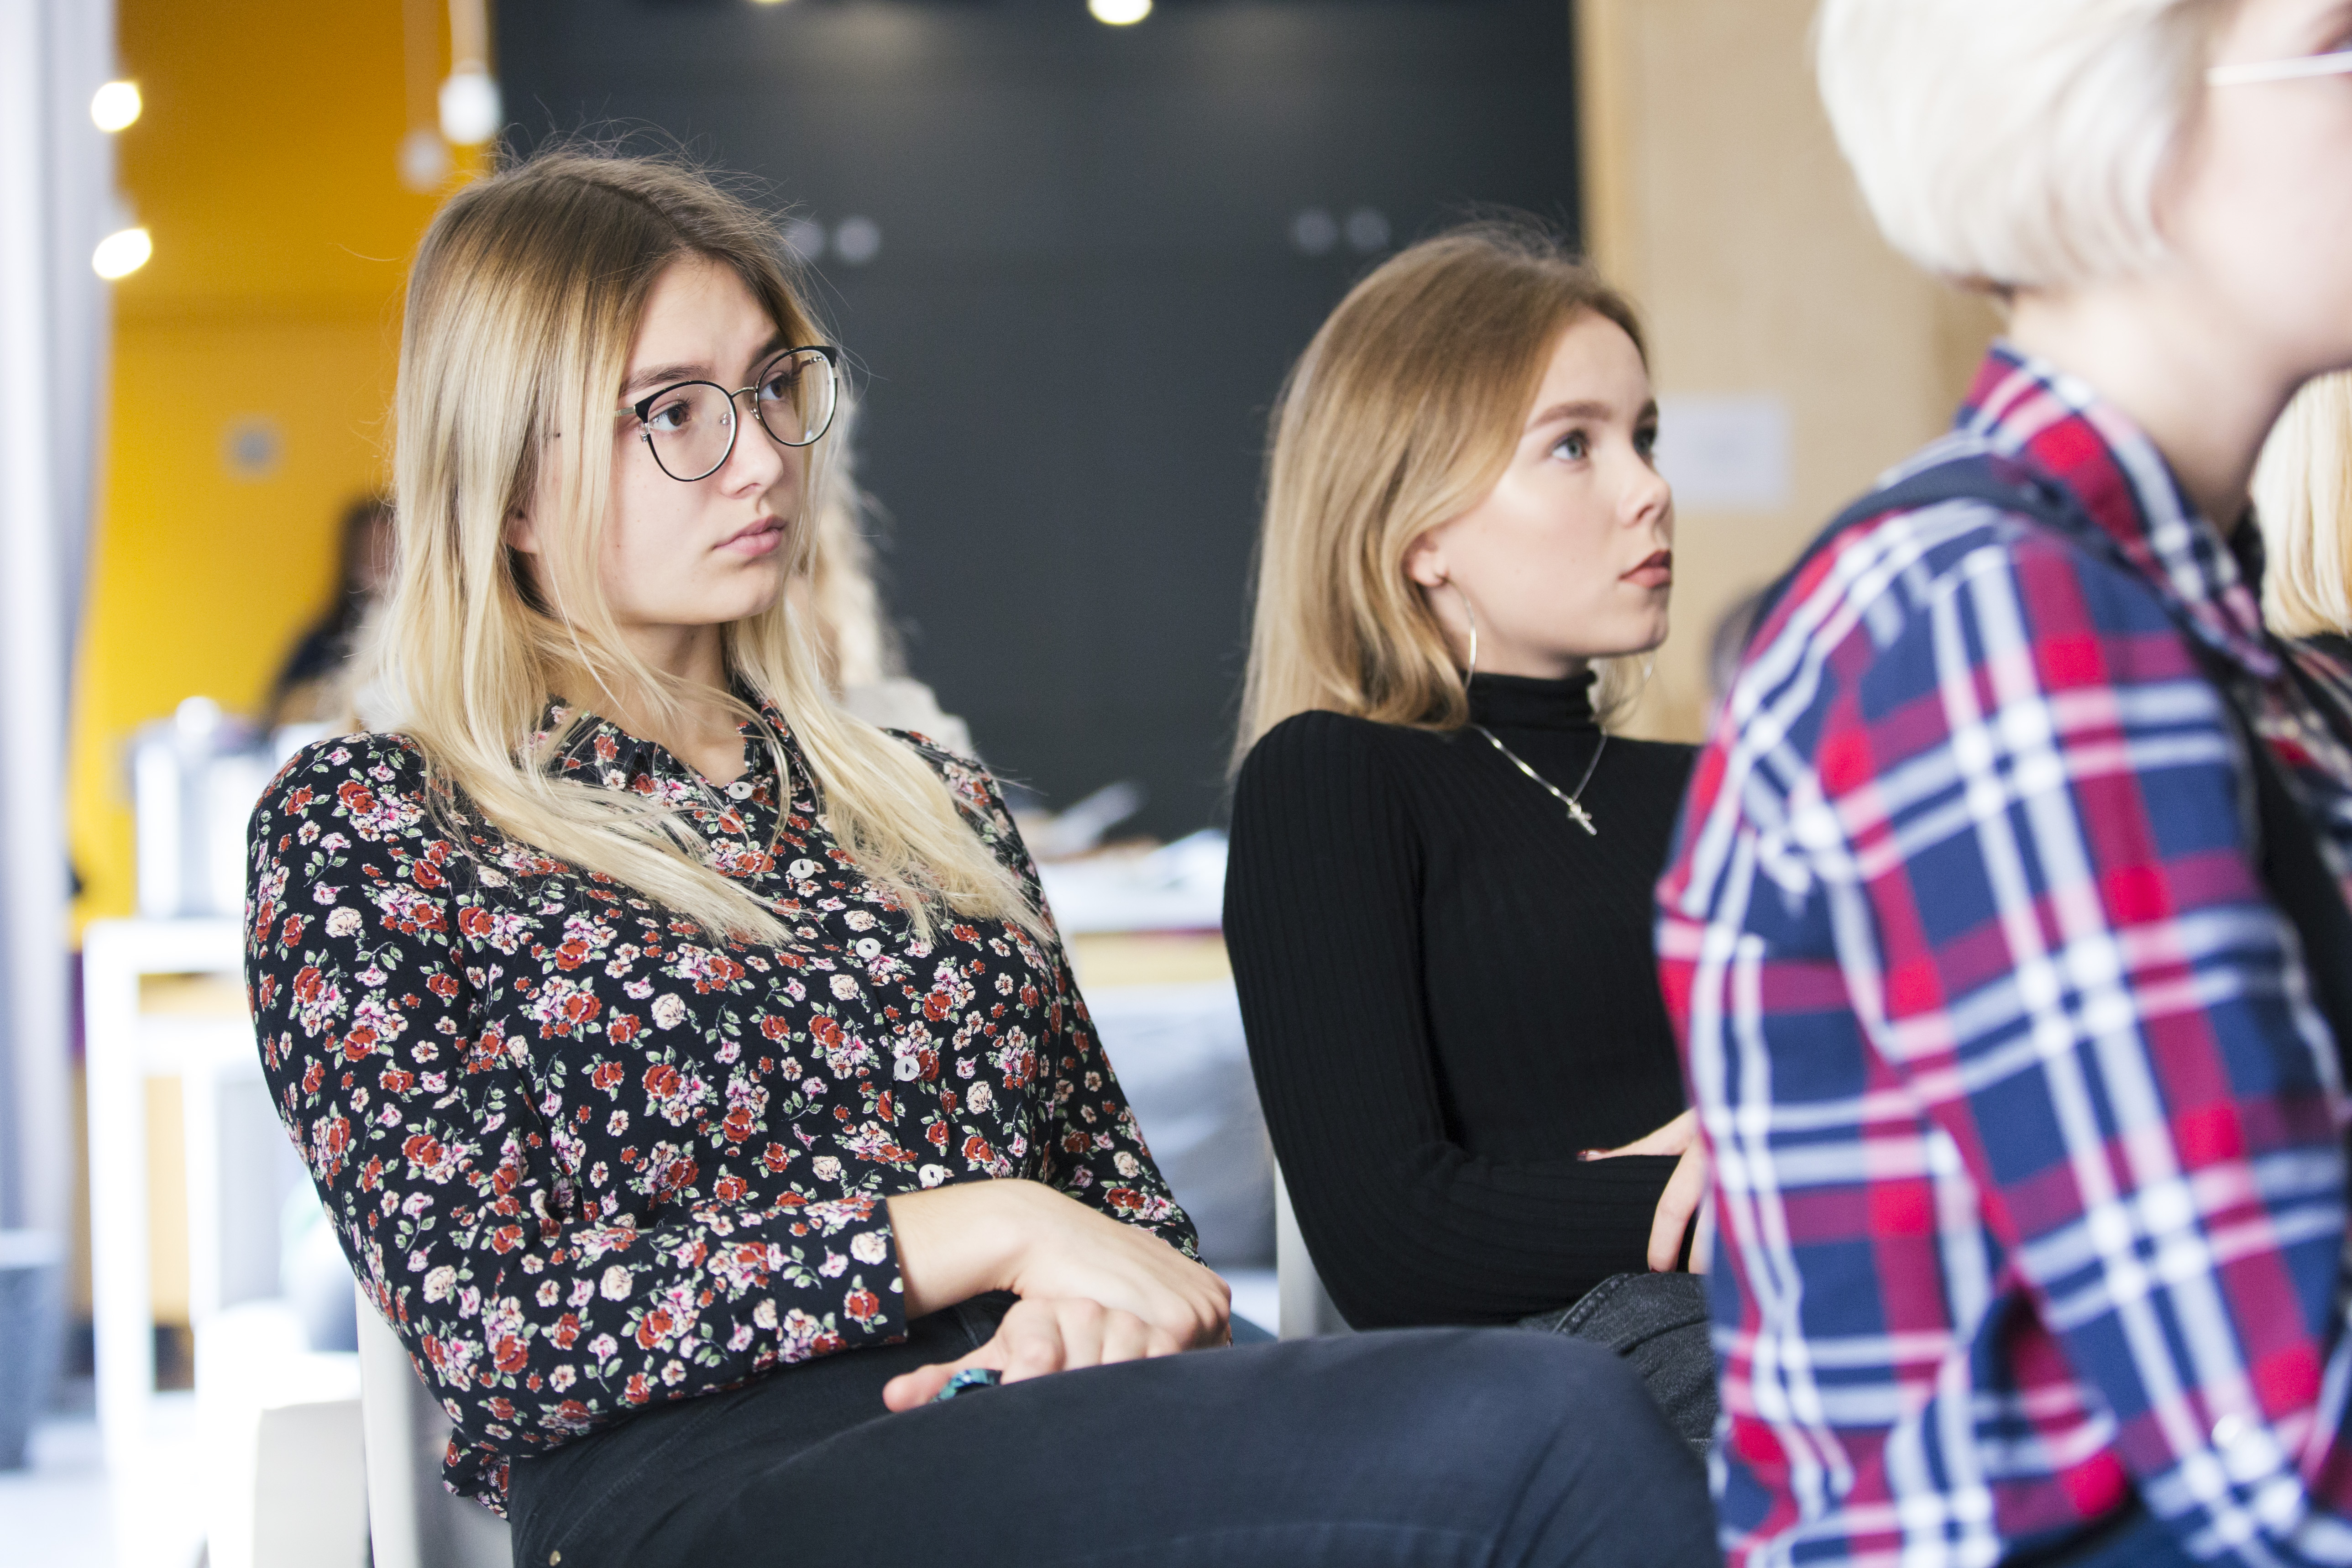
{"points": [[961, 1241]]}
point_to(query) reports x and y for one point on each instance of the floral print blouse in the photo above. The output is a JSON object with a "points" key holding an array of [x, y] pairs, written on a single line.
{"points": [[583, 1157]]}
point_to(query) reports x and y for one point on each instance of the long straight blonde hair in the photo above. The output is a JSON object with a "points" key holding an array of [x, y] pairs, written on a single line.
{"points": [[2303, 497], [1402, 414], [522, 304]]}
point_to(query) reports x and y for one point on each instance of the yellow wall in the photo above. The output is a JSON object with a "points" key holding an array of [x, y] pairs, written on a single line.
{"points": [[1717, 197], [265, 167]]}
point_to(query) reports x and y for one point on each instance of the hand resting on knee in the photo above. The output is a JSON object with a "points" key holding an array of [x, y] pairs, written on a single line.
{"points": [[1093, 1290]]}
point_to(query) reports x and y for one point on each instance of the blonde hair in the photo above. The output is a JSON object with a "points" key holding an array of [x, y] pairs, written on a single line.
{"points": [[1402, 414], [835, 591], [522, 304], [2302, 498], [2015, 143]]}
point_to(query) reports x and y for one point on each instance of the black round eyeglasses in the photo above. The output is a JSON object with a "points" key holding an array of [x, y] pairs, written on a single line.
{"points": [[690, 426]]}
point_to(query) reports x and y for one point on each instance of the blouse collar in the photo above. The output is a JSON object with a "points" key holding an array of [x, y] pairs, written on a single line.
{"points": [[2025, 408], [603, 751]]}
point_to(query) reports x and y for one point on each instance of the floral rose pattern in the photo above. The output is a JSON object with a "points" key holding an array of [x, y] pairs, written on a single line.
{"points": [[583, 1156]]}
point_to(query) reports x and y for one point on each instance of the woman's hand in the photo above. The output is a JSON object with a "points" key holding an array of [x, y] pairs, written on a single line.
{"points": [[1042, 1335], [959, 1241], [1672, 1139], [1078, 1252], [1685, 1189]]}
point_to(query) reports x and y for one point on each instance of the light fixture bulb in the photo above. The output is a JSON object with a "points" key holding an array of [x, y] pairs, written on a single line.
{"points": [[115, 105], [470, 110], [423, 160], [121, 253], [1119, 13]]}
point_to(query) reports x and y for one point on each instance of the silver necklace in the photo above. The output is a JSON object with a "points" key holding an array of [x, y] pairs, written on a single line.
{"points": [[1572, 799]]}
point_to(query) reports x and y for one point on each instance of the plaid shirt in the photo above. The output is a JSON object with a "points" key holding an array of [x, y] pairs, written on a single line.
{"points": [[2029, 1180]]}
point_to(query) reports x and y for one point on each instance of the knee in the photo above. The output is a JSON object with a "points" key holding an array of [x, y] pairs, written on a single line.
{"points": [[1551, 1372], [1601, 1474], [1518, 1380], [1575, 1391]]}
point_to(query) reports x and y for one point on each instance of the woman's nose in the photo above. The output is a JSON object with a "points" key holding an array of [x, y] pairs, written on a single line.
{"points": [[758, 460], [1648, 496]]}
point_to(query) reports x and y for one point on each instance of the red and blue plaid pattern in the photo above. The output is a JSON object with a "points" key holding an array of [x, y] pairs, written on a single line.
{"points": [[2029, 1171]]}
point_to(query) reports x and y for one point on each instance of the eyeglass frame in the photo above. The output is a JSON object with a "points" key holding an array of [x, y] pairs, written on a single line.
{"points": [[643, 409], [2302, 67]]}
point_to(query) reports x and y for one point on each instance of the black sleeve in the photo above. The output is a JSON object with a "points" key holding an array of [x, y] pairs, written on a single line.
{"points": [[1322, 917]]}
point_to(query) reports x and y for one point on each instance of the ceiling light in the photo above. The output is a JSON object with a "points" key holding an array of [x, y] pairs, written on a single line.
{"points": [[423, 160], [115, 105], [470, 110], [858, 241], [1119, 13], [121, 253]]}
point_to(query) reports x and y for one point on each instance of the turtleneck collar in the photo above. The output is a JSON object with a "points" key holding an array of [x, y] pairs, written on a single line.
{"points": [[1524, 702]]}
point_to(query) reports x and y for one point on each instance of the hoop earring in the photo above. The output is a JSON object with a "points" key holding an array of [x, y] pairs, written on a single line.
{"points": [[1472, 616]]}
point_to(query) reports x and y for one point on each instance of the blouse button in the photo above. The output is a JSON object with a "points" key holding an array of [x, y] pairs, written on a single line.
{"points": [[741, 789]]}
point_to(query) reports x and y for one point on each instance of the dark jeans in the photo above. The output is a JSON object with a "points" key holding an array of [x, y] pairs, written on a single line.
{"points": [[1658, 1323], [1410, 1448]]}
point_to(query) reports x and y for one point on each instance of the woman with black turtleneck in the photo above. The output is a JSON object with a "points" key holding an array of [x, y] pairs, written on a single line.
{"points": [[1438, 902]]}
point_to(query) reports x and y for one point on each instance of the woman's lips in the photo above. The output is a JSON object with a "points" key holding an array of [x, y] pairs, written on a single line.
{"points": [[1658, 572], [757, 540]]}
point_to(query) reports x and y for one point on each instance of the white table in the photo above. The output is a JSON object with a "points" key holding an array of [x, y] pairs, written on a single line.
{"points": [[125, 1047]]}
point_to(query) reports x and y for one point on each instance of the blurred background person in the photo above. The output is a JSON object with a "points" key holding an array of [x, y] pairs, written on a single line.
{"points": [[313, 685], [863, 657], [1438, 903], [2006, 923]]}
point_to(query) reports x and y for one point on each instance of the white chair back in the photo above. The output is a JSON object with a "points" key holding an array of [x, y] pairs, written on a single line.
{"points": [[413, 1520], [1306, 1310]]}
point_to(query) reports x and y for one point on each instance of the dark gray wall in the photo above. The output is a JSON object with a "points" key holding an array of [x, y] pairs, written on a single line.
{"points": [[1089, 287]]}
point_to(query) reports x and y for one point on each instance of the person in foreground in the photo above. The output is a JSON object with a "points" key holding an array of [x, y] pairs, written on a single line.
{"points": [[2006, 962], [1438, 904], [692, 1073]]}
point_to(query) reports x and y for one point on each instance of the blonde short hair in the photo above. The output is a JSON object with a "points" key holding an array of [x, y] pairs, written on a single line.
{"points": [[2303, 497], [2015, 143], [1402, 414]]}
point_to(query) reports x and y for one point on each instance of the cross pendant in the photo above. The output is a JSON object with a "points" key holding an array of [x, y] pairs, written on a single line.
{"points": [[1584, 818]]}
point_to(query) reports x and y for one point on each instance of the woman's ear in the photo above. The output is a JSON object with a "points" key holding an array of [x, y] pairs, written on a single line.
{"points": [[522, 533], [1424, 560]]}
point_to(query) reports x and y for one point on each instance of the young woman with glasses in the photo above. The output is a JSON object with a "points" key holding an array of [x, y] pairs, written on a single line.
{"points": [[692, 1071]]}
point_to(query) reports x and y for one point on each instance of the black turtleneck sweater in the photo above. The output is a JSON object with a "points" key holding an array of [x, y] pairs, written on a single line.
{"points": [[1450, 991]]}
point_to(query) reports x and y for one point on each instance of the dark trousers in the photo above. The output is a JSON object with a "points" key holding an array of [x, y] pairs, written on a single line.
{"points": [[1424, 1447], [1659, 1323]]}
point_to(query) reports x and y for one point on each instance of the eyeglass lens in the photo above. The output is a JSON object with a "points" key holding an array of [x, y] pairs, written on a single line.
{"points": [[691, 428], [793, 397]]}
